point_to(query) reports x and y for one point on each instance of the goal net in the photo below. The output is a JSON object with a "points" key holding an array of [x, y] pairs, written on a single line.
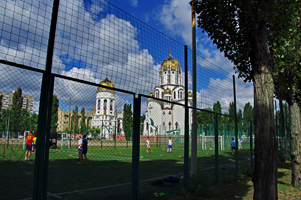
{"points": [[208, 142], [24, 138], [65, 143]]}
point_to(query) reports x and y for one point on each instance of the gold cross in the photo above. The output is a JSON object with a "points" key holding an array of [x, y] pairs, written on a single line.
{"points": [[169, 50]]}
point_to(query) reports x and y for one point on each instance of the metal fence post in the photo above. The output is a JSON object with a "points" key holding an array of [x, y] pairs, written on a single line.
{"points": [[236, 131], [186, 133], [40, 174], [136, 148], [216, 145]]}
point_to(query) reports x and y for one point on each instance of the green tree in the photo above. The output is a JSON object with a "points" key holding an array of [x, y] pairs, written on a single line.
{"points": [[25, 121], [95, 132], [241, 30], [54, 113], [15, 115], [239, 122], [83, 127], [1, 97], [74, 121], [4, 119], [287, 77], [217, 108], [127, 121], [34, 118], [248, 114]]}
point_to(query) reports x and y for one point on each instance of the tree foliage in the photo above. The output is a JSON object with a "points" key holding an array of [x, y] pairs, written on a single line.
{"points": [[34, 118], [4, 119], [95, 132], [248, 114], [15, 115], [83, 127], [74, 121], [127, 121], [25, 121], [54, 113], [242, 30]]}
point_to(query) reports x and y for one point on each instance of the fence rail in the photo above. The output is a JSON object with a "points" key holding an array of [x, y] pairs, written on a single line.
{"points": [[88, 68]]}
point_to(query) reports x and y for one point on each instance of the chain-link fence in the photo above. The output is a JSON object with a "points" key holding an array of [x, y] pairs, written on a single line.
{"points": [[70, 74]]}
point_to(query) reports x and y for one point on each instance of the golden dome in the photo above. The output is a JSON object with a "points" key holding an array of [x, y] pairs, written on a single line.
{"points": [[106, 82], [151, 94], [189, 93], [167, 91], [172, 62]]}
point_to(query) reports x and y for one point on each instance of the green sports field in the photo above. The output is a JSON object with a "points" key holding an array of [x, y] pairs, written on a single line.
{"points": [[108, 172]]}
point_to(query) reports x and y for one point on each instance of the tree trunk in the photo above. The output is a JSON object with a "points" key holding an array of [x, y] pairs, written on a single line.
{"points": [[295, 128], [283, 139], [266, 155]]}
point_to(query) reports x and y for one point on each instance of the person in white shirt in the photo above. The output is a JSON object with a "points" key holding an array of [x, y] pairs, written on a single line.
{"points": [[147, 145], [169, 142], [79, 147], [239, 144]]}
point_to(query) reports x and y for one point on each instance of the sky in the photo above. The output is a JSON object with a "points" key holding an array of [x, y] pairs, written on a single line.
{"points": [[125, 40]]}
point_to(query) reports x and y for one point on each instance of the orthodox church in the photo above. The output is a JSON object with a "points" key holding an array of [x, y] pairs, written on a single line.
{"points": [[105, 113], [164, 118]]}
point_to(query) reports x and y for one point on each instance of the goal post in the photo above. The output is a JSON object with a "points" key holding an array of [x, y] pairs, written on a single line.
{"points": [[65, 144], [208, 142], [24, 138]]}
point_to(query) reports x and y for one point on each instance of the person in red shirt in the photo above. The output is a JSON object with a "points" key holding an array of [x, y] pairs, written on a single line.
{"points": [[29, 140]]}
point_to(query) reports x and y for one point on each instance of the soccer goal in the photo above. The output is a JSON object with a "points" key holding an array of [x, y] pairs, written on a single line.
{"points": [[24, 138], [65, 143], [208, 142]]}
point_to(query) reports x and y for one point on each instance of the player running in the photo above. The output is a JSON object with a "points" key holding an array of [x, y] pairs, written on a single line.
{"points": [[169, 142], [29, 140], [147, 145]]}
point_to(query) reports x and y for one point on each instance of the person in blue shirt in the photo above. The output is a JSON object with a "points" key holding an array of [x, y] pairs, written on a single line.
{"points": [[84, 149], [233, 146]]}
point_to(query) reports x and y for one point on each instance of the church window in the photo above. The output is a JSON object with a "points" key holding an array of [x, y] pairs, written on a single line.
{"points": [[180, 94], [163, 123], [151, 130], [173, 72], [168, 78], [165, 72], [169, 124], [163, 112], [111, 105], [162, 94], [176, 77], [98, 104], [157, 94], [176, 125], [169, 112], [168, 71], [147, 126], [161, 80], [174, 94], [105, 106]]}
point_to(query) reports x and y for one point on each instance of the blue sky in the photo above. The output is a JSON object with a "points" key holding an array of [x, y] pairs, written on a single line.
{"points": [[125, 40]]}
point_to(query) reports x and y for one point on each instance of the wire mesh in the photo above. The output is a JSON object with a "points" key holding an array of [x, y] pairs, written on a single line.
{"points": [[19, 98], [102, 57]]}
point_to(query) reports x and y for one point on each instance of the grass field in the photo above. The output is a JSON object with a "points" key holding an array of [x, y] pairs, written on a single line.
{"points": [[108, 172]]}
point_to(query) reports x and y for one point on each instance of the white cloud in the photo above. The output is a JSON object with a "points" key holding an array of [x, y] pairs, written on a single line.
{"points": [[175, 15], [222, 91], [134, 3]]}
